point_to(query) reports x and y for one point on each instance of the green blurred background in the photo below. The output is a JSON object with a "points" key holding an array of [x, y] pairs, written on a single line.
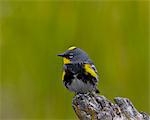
{"points": [[113, 33]]}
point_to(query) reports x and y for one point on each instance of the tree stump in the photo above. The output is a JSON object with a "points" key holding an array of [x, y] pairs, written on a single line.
{"points": [[91, 106]]}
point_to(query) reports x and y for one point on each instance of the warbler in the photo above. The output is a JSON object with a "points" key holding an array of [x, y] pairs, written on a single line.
{"points": [[79, 73]]}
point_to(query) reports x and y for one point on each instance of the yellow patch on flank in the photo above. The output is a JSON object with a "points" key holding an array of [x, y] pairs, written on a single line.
{"points": [[89, 70], [71, 48], [66, 61], [63, 74]]}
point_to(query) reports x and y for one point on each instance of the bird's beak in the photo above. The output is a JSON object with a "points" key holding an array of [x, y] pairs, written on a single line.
{"points": [[61, 55]]}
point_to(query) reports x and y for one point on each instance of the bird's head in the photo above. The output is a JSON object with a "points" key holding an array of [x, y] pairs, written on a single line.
{"points": [[74, 54]]}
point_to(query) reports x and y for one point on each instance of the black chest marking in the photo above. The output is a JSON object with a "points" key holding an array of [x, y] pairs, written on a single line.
{"points": [[68, 77], [77, 70]]}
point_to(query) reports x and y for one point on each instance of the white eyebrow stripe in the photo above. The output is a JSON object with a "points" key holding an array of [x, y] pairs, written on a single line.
{"points": [[70, 53]]}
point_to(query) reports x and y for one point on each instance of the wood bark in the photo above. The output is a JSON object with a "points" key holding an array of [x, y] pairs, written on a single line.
{"points": [[91, 106]]}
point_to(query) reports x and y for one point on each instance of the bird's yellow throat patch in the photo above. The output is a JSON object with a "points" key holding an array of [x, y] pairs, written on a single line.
{"points": [[71, 48], [66, 61]]}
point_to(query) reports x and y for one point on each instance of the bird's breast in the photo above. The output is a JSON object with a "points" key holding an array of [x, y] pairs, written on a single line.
{"points": [[74, 68]]}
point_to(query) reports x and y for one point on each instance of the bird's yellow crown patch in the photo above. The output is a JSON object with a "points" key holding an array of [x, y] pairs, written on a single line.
{"points": [[72, 48]]}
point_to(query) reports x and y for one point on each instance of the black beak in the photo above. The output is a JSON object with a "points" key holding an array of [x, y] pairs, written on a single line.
{"points": [[61, 55]]}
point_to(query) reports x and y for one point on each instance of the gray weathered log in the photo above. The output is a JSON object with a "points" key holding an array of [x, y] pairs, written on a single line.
{"points": [[91, 106]]}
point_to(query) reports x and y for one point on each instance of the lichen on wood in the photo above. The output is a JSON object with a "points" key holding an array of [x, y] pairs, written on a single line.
{"points": [[91, 106]]}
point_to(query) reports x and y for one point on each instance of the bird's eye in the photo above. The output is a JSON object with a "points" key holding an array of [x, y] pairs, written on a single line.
{"points": [[71, 55]]}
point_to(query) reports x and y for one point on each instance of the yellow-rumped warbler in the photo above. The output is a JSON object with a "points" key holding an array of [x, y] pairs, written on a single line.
{"points": [[79, 73]]}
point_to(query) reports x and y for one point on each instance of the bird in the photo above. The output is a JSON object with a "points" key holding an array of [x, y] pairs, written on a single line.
{"points": [[79, 72]]}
